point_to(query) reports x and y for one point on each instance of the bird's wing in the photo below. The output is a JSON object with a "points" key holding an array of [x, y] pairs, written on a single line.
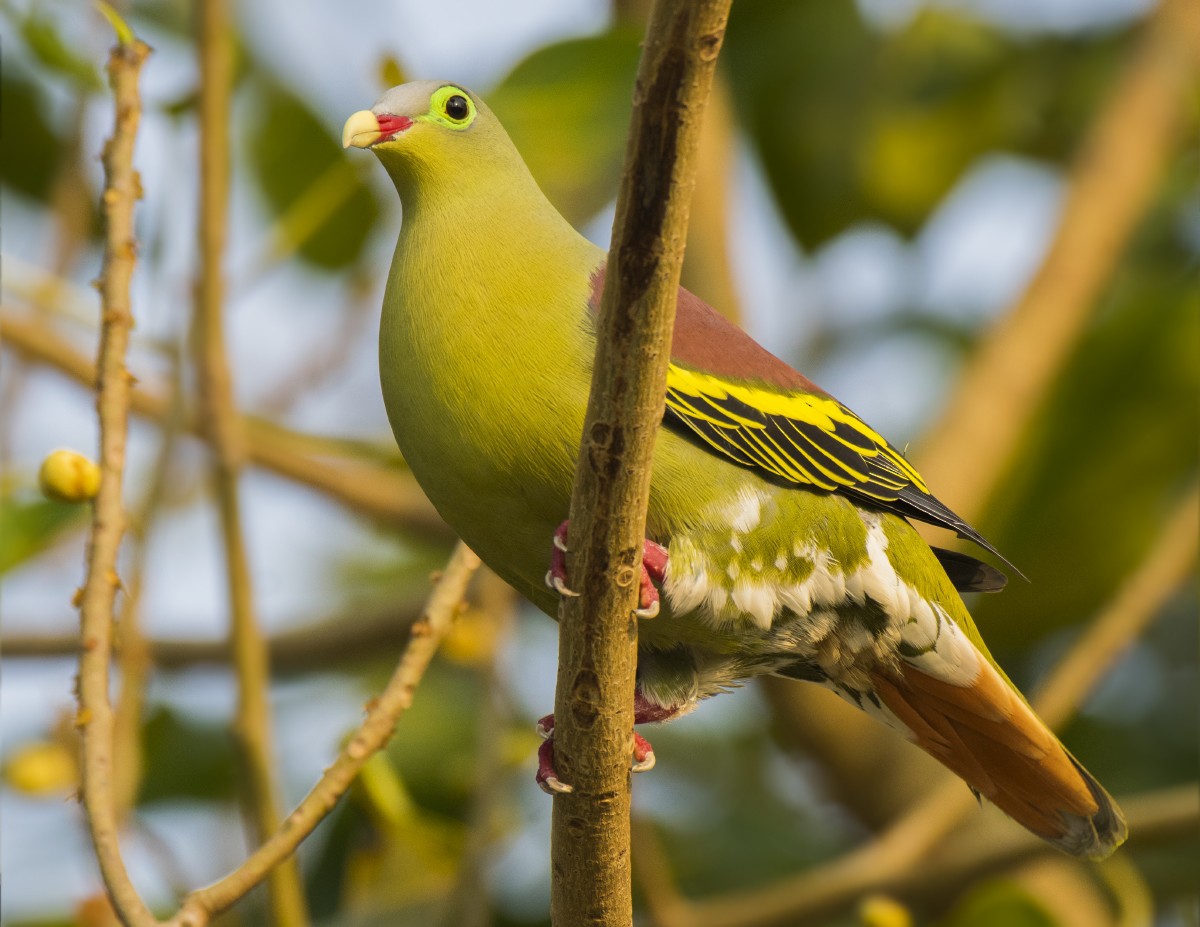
{"points": [[802, 438], [737, 399]]}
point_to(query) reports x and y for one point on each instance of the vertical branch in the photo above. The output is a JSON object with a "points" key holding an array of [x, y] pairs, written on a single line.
{"points": [[598, 638], [252, 726], [122, 188]]}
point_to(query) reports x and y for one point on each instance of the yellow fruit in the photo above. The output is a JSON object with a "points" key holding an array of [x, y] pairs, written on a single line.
{"points": [[881, 911], [42, 768], [68, 476]]}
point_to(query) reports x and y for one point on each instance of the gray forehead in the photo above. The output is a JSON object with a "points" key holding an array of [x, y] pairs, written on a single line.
{"points": [[408, 99]]}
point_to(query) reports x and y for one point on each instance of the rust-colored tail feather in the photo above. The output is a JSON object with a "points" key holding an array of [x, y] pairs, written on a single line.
{"points": [[986, 734]]}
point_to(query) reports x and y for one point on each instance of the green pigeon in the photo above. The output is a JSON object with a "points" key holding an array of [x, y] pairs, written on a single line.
{"points": [[778, 540]]}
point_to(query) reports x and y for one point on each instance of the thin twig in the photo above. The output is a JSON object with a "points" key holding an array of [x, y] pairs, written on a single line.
{"points": [[201, 906], [122, 188], [590, 868], [252, 726], [353, 636], [377, 491]]}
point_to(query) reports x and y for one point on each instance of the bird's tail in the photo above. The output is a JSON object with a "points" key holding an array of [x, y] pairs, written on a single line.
{"points": [[987, 734]]}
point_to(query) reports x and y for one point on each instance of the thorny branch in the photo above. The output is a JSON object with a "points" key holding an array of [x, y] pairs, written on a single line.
{"points": [[590, 869], [427, 633], [371, 489], [95, 718]]}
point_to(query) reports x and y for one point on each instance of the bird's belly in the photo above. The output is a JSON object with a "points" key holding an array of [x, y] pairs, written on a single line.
{"points": [[496, 473]]}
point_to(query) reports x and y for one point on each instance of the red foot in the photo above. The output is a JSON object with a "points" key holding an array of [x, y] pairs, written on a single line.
{"points": [[643, 753], [654, 570]]}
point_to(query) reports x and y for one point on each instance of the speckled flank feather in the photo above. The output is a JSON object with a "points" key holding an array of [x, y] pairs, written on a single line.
{"points": [[855, 625]]}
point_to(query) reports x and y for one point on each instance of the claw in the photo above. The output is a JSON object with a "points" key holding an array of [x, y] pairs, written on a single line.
{"points": [[556, 583], [654, 570], [650, 611], [643, 754], [546, 778]]}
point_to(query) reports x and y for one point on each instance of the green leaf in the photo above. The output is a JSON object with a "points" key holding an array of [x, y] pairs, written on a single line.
{"points": [[186, 758], [29, 525], [320, 205], [32, 148], [854, 124], [567, 108], [44, 41], [1000, 904]]}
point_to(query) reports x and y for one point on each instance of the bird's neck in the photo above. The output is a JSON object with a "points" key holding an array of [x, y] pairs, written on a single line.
{"points": [[503, 268]]}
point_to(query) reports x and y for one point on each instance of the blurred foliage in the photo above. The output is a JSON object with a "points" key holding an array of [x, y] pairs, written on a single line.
{"points": [[854, 124], [1117, 430], [31, 168], [567, 108], [192, 759], [30, 525], [1000, 903], [307, 182], [39, 34], [851, 123]]}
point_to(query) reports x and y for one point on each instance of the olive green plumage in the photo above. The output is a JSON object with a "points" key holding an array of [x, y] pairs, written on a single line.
{"points": [[781, 511]]}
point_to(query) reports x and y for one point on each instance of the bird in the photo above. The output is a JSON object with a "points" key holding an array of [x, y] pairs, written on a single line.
{"points": [[779, 539]]}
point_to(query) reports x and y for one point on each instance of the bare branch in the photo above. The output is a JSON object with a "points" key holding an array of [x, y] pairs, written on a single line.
{"points": [[122, 188], [201, 906], [252, 725], [355, 635], [373, 490], [590, 882]]}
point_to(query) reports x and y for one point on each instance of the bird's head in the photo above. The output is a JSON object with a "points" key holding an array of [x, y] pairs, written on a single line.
{"points": [[430, 133]]}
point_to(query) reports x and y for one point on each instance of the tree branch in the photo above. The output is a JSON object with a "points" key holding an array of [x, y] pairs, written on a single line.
{"points": [[598, 638], [201, 906], [373, 490], [252, 725], [95, 719], [339, 639]]}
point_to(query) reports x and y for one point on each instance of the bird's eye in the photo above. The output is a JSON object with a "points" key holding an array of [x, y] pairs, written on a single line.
{"points": [[457, 108]]}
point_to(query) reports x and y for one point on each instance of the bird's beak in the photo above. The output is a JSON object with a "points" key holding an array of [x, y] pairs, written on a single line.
{"points": [[363, 129]]}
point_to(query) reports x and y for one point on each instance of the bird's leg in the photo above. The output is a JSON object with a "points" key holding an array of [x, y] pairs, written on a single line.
{"points": [[644, 712], [654, 570]]}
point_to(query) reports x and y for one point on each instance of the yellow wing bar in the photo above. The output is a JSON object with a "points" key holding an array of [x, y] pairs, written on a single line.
{"points": [[800, 438]]}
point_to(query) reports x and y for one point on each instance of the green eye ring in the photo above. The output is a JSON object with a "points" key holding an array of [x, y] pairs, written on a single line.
{"points": [[452, 107]]}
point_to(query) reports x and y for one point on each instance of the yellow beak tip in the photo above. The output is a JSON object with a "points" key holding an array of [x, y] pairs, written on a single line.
{"points": [[360, 130]]}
